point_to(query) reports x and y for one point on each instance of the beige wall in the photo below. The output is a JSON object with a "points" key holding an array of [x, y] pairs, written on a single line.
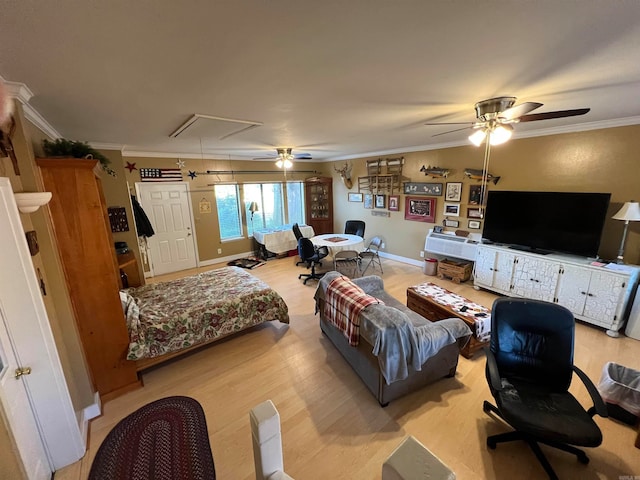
{"points": [[116, 194], [206, 225], [595, 161]]}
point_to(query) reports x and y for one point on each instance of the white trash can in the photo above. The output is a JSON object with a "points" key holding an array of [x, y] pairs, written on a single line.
{"points": [[620, 387]]}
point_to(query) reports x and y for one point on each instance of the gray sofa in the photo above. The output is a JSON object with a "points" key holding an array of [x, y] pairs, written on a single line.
{"points": [[398, 351]]}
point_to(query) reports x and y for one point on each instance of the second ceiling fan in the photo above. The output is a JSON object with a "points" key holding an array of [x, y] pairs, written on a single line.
{"points": [[496, 117]]}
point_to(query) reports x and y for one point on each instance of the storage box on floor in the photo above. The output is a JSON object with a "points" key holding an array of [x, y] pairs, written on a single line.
{"points": [[620, 387]]}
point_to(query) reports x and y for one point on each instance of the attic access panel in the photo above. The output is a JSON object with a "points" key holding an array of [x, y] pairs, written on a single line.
{"points": [[208, 126]]}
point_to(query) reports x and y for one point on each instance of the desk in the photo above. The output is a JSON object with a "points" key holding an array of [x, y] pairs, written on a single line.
{"points": [[281, 239], [348, 242]]}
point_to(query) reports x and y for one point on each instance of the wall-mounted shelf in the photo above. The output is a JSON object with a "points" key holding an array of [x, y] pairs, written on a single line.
{"points": [[384, 176]]}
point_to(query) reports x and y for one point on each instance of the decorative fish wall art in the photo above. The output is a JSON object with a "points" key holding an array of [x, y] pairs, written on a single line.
{"points": [[435, 171], [477, 175]]}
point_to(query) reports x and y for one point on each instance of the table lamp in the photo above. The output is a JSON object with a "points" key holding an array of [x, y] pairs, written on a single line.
{"points": [[253, 208], [630, 212]]}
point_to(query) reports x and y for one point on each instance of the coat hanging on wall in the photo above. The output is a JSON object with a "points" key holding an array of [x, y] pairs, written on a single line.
{"points": [[143, 225]]}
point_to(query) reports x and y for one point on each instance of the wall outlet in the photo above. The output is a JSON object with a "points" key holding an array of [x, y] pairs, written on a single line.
{"points": [[421, 253], [219, 251]]}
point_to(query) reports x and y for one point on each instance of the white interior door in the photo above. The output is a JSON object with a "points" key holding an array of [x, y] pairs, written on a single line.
{"points": [[18, 412], [168, 207], [28, 342]]}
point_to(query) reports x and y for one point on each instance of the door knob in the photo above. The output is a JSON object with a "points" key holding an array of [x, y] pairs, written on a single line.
{"points": [[22, 371]]}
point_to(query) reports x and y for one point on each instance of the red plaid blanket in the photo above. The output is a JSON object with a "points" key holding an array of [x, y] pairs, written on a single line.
{"points": [[344, 301]]}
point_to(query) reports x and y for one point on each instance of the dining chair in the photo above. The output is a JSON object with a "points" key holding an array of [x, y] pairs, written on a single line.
{"points": [[371, 254], [354, 227], [347, 261]]}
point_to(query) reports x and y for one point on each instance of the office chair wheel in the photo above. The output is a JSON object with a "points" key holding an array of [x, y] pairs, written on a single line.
{"points": [[583, 459], [491, 443]]}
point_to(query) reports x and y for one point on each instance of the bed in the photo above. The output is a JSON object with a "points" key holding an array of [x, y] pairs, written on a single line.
{"points": [[166, 319]]}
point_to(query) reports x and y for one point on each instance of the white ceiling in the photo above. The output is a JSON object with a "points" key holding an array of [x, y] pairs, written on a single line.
{"points": [[336, 79]]}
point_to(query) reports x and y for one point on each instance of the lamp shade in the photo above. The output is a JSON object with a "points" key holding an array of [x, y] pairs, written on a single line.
{"points": [[629, 212], [253, 207]]}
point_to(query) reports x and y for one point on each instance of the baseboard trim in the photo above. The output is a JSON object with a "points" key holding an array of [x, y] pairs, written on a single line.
{"points": [[398, 258], [236, 256], [92, 411]]}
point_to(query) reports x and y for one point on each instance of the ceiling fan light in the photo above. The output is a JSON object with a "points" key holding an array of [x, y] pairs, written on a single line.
{"points": [[287, 163], [477, 137], [279, 164], [501, 134]]}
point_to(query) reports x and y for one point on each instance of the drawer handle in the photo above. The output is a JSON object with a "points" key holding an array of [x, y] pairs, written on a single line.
{"points": [[583, 293], [590, 295]]}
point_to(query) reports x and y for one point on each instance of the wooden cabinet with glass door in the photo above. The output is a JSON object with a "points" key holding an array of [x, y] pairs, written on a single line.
{"points": [[319, 204]]}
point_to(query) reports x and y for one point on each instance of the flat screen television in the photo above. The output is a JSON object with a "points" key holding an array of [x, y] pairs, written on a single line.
{"points": [[546, 222]]}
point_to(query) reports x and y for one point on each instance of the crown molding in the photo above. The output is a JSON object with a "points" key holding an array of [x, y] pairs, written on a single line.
{"points": [[18, 90], [195, 156], [582, 127], [23, 94], [107, 146], [39, 121]]}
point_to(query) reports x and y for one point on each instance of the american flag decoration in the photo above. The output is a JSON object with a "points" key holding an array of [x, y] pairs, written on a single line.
{"points": [[161, 174]]}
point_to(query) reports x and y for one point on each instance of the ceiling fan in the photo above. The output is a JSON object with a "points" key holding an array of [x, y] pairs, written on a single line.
{"points": [[285, 157], [496, 117]]}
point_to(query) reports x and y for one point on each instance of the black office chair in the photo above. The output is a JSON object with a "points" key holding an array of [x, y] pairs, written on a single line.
{"points": [[354, 227], [313, 255], [529, 370], [298, 234]]}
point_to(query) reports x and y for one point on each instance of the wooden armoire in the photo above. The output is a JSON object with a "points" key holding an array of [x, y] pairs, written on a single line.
{"points": [[85, 244]]}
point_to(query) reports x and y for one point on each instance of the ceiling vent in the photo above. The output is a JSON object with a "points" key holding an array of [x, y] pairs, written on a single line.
{"points": [[208, 126]]}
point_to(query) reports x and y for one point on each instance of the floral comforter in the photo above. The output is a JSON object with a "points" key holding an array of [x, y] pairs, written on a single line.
{"points": [[170, 316]]}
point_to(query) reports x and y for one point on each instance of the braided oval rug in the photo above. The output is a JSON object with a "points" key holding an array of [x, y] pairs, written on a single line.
{"points": [[164, 440]]}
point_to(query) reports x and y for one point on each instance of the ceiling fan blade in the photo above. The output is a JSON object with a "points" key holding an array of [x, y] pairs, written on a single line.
{"points": [[451, 123], [519, 110], [265, 158], [451, 131], [303, 156], [549, 115]]}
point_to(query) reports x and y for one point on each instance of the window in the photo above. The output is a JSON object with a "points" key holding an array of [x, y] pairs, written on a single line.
{"points": [[273, 209], [228, 205], [295, 202]]}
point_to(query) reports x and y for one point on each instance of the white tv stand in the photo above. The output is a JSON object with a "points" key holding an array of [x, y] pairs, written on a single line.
{"points": [[595, 294], [450, 245]]}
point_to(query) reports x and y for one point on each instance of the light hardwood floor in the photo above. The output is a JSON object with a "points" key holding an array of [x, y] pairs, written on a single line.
{"points": [[332, 426]]}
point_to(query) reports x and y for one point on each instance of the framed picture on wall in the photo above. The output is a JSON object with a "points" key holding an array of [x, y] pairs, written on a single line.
{"points": [[421, 188], [452, 209], [355, 197], [453, 193], [381, 201], [474, 194], [451, 223], [368, 200], [394, 203], [474, 224], [474, 212], [420, 209]]}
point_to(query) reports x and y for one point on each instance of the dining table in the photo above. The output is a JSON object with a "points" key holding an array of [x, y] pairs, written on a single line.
{"points": [[336, 242]]}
